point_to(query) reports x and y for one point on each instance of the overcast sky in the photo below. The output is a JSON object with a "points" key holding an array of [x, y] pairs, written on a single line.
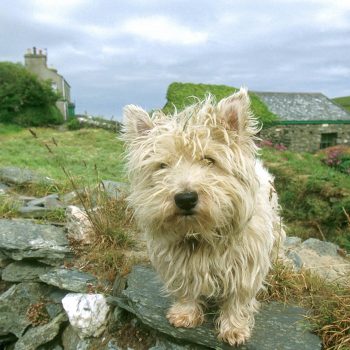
{"points": [[117, 52]]}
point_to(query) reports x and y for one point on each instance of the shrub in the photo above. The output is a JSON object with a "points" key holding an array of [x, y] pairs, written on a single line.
{"points": [[181, 95], [74, 124], [337, 157], [25, 100]]}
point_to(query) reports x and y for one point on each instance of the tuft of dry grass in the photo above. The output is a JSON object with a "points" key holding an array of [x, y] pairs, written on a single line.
{"points": [[329, 302]]}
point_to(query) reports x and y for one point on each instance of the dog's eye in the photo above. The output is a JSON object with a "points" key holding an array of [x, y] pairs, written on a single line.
{"points": [[163, 165], [208, 160]]}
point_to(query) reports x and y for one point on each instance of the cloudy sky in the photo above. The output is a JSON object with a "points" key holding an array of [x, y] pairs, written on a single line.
{"points": [[117, 52]]}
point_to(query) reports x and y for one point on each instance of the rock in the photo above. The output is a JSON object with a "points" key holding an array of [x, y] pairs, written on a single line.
{"points": [[23, 271], [3, 188], [113, 189], [322, 259], [34, 212], [78, 225], [277, 326], [320, 247], [50, 201], [290, 242], [4, 260], [18, 176], [87, 313], [37, 336], [15, 302], [165, 344], [21, 239], [69, 279]]}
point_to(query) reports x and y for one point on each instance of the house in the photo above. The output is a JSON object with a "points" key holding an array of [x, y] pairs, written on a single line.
{"points": [[308, 121], [36, 62]]}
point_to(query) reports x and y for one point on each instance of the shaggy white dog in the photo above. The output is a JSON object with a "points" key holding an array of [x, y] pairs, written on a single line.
{"points": [[207, 206]]}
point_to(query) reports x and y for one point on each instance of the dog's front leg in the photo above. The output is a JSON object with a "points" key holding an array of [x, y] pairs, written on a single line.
{"points": [[236, 320], [188, 314]]}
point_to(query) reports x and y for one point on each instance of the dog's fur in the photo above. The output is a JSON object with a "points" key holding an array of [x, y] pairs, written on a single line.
{"points": [[222, 251]]}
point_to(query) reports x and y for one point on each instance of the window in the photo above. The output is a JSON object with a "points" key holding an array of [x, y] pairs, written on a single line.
{"points": [[328, 139]]}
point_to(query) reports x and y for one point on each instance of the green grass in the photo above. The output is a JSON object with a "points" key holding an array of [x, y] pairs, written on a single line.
{"points": [[343, 101], [86, 154], [181, 95], [314, 197]]}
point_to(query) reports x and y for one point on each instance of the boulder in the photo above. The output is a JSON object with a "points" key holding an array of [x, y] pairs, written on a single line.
{"points": [[21, 239], [37, 336], [69, 279], [114, 189], [278, 326], [14, 304], [19, 176], [23, 271], [87, 313], [78, 225]]}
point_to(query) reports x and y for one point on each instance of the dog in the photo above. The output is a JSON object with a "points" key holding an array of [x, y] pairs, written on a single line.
{"points": [[208, 208]]}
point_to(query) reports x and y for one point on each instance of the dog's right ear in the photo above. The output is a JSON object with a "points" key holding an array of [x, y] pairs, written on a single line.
{"points": [[137, 122]]}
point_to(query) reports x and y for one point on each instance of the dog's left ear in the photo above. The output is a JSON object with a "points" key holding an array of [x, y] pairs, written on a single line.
{"points": [[234, 110], [137, 122]]}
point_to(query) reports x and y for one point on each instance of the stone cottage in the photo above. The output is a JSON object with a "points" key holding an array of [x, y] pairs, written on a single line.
{"points": [[36, 62], [308, 121]]}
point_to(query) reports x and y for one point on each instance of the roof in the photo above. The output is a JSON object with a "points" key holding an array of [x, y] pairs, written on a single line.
{"points": [[303, 107]]}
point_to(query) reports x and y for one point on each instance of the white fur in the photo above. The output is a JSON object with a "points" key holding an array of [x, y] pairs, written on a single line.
{"points": [[223, 252]]}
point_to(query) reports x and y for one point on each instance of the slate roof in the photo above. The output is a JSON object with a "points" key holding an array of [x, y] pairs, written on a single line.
{"points": [[303, 106]]}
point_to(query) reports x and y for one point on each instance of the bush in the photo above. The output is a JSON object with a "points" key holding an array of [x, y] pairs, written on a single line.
{"points": [[181, 95], [25, 100], [74, 124]]}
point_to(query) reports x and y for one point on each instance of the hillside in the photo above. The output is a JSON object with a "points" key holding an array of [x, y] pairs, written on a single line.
{"points": [[181, 95], [343, 101]]}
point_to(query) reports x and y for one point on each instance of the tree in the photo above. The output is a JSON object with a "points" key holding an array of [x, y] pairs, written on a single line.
{"points": [[24, 99]]}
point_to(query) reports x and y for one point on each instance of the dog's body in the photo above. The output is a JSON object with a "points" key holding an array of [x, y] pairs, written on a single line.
{"points": [[208, 208]]}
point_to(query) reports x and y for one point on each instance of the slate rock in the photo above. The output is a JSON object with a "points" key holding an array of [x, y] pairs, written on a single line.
{"points": [[22, 271], [290, 242], [20, 176], [21, 239], [69, 279], [3, 188], [87, 313], [50, 201], [114, 189], [15, 302], [39, 335], [277, 326], [320, 247], [34, 212]]}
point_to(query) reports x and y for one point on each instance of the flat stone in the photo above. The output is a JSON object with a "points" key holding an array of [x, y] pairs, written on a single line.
{"points": [[277, 326], [3, 188], [19, 176], [320, 247], [37, 336], [292, 242], [34, 212], [50, 201], [87, 313], [114, 189], [21, 239], [69, 279], [23, 271], [15, 302]]}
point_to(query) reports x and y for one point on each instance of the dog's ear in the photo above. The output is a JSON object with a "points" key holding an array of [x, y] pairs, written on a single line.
{"points": [[234, 110], [137, 122]]}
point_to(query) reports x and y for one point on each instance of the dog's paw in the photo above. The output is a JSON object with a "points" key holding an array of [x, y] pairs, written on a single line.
{"points": [[234, 336], [185, 315]]}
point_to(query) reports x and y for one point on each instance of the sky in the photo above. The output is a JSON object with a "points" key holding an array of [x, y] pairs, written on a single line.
{"points": [[114, 53]]}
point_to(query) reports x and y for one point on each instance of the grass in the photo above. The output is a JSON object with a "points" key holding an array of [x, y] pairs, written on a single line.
{"points": [[181, 95], [83, 152], [314, 197], [343, 101]]}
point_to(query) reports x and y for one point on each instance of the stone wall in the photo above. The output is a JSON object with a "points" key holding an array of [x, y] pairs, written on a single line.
{"points": [[305, 137]]}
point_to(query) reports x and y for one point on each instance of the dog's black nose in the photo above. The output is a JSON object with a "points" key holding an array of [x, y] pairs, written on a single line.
{"points": [[186, 200]]}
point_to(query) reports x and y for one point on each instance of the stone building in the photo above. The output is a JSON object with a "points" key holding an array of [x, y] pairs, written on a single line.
{"points": [[36, 62], [308, 121]]}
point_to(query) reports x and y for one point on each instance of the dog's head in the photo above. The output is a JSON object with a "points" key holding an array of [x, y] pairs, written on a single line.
{"points": [[192, 173]]}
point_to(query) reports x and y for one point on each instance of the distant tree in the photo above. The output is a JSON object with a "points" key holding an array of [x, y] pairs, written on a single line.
{"points": [[24, 99]]}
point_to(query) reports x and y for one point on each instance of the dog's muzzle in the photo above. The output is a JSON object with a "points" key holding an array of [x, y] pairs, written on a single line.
{"points": [[186, 200]]}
